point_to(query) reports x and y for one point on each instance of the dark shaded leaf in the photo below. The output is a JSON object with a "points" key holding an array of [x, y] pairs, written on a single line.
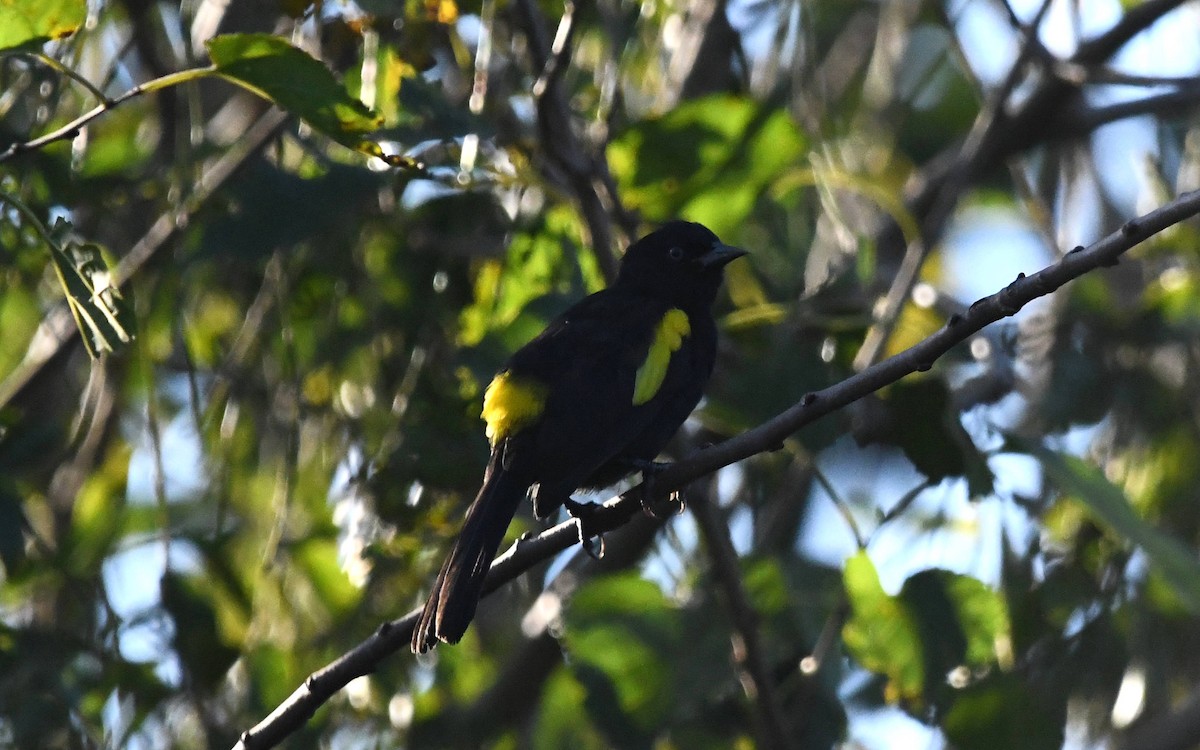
{"points": [[1001, 713], [197, 640], [926, 427]]}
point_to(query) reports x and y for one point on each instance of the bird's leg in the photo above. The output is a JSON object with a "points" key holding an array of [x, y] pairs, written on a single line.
{"points": [[583, 513], [650, 470]]}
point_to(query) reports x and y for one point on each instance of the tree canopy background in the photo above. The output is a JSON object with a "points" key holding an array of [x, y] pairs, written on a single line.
{"points": [[257, 261]]}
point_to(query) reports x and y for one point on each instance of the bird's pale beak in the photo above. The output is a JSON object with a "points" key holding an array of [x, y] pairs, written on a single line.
{"points": [[720, 255]]}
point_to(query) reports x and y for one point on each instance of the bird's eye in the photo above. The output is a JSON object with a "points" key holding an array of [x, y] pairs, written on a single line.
{"points": [[675, 253]]}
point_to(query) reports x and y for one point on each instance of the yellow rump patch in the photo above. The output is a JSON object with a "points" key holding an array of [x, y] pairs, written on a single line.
{"points": [[668, 337], [510, 403]]}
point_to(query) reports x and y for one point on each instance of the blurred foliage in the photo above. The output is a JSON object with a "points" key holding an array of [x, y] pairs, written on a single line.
{"points": [[279, 431]]}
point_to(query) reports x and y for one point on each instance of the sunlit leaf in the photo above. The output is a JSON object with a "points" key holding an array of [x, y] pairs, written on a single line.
{"points": [[983, 617], [290, 77], [938, 622], [707, 160], [882, 634], [29, 23]]}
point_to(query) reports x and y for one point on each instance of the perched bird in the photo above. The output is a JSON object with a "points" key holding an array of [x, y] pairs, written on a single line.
{"points": [[592, 399]]}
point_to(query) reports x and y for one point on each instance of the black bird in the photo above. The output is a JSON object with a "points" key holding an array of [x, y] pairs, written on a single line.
{"points": [[592, 399]]}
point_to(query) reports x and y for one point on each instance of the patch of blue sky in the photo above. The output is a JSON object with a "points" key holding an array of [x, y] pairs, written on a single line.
{"points": [[132, 580], [182, 457]]}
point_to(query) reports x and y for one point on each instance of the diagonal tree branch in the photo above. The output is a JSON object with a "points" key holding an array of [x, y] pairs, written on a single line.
{"points": [[394, 635], [754, 673]]}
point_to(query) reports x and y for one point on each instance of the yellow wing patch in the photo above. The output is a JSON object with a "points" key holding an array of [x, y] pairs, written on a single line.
{"points": [[510, 403], [668, 337]]}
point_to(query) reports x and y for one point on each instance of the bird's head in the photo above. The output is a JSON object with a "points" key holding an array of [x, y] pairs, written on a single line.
{"points": [[682, 260]]}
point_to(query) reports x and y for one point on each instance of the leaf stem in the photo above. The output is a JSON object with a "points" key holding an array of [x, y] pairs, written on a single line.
{"points": [[71, 129]]}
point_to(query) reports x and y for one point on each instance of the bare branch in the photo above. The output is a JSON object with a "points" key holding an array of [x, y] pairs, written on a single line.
{"points": [[1182, 100], [1137, 19], [935, 191], [753, 671]]}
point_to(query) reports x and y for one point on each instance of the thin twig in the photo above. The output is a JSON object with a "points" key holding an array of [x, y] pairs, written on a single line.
{"points": [[983, 132], [842, 508], [937, 188], [753, 671], [72, 128], [1183, 99], [68, 72]]}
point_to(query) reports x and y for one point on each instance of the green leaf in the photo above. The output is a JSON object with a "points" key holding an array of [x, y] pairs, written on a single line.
{"points": [[117, 143], [561, 719], [982, 615], [319, 558], [19, 318], [620, 630], [940, 620], [291, 78], [882, 633], [707, 160], [962, 622], [1109, 506], [27, 24], [105, 320], [100, 513]]}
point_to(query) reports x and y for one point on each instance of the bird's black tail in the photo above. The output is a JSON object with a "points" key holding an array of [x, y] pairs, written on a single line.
{"points": [[451, 603]]}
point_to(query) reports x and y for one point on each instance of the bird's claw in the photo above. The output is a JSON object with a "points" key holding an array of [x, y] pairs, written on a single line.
{"points": [[583, 513], [651, 469]]}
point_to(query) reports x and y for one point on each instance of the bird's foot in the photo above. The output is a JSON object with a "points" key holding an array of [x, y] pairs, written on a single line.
{"points": [[650, 470], [592, 542]]}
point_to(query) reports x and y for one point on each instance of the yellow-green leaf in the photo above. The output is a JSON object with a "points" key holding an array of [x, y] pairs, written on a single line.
{"points": [[882, 633], [31, 23]]}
